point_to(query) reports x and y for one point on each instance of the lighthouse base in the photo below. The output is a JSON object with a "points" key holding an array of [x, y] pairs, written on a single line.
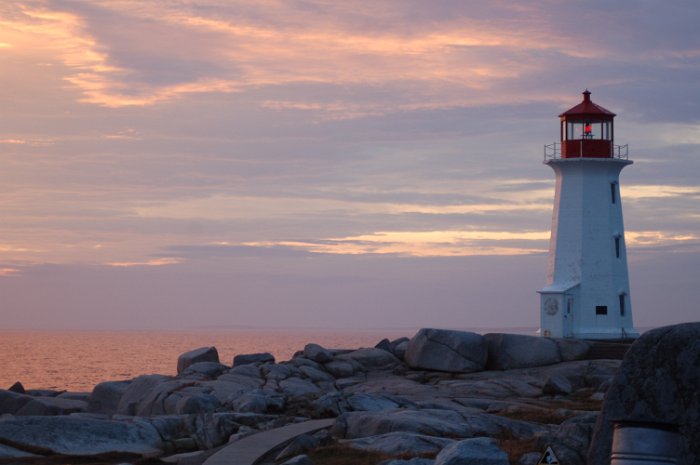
{"points": [[608, 334]]}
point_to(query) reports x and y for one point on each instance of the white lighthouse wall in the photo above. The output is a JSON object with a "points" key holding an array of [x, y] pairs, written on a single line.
{"points": [[586, 221]]}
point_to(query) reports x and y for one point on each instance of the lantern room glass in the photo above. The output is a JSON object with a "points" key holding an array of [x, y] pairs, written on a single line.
{"points": [[587, 129]]}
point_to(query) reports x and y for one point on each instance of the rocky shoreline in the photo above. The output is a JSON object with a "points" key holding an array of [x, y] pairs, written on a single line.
{"points": [[439, 398]]}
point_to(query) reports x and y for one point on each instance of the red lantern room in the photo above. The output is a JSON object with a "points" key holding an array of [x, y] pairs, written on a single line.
{"points": [[587, 131]]}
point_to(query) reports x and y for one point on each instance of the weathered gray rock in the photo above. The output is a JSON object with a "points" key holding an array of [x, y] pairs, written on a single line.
{"points": [[202, 431], [317, 353], [371, 359], [484, 451], [259, 401], [247, 359], [105, 397], [352, 425], [399, 442], [413, 461], [299, 446], [8, 453], [657, 382], [203, 354], [510, 351], [229, 387], [137, 391], [384, 344], [42, 406], [204, 370], [316, 375], [195, 404], [445, 350], [17, 387], [69, 435], [297, 387], [557, 385], [299, 460], [11, 402], [572, 349], [340, 369], [399, 346], [370, 402]]}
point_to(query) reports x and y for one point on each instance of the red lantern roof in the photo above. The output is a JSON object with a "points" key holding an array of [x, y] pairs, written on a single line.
{"points": [[587, 108]]}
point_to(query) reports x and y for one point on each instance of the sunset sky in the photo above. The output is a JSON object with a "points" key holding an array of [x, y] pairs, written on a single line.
{"points": [[316, 163]]}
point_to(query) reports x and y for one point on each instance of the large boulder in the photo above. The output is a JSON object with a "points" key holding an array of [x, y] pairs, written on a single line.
{"points": [[398, 443], [106, 396], [203, 354], [432, 422], [317, 353], [510, 351], [446, 350], [656, 383], [69, 435], [371, 359], [247, 359], [137, 392], [484, 451], [11, 401], [52, 406]]}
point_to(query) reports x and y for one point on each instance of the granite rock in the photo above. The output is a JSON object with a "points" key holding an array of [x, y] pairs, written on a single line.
{"points": [[247, 359], [69, 435], [446, 350], [203, 354], [483, 451], [656, 383], [511, 351]]}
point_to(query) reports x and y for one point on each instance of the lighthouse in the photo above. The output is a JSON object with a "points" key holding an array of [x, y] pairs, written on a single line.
{"points": [[587, 294]]}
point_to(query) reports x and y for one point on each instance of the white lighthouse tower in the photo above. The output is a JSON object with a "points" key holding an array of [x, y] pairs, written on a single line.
{"points": [[587, 295]]}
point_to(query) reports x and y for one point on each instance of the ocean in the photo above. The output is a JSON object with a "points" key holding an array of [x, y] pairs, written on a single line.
{"points": [[78, 360]]}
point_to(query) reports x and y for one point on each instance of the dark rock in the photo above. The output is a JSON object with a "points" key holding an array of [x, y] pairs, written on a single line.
{"points": [[11, 402], [203, 354], [384, 344], [8, 453], [299, 460], [572, 349], [206, 370], [137, 392], [69, 435], [370, 359], [106, 396], [557, 385], [484, 451], [17, 387], [445, 350], [399, 442], [299, 446], [511, 351], [42, 406], [247, 359], [399, 346], [656, 383], [317, 353], [340, 369]]}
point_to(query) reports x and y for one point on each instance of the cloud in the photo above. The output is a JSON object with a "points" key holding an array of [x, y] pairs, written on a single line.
{"points": [[152, 262]]}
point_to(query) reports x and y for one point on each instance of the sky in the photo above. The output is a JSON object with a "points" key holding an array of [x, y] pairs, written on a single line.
{"points": [[179, 164]]}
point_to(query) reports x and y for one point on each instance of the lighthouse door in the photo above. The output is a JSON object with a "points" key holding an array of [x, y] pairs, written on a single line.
{"points": [[569, 317]]}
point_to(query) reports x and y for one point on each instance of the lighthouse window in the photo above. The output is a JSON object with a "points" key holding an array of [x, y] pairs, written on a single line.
{"points": [[617, 246], [622, 304], [601, 309], [613, 192]]}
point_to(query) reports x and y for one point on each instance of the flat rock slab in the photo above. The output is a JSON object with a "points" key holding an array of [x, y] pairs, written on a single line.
{"points": [[249, 449], [79, 436]]}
